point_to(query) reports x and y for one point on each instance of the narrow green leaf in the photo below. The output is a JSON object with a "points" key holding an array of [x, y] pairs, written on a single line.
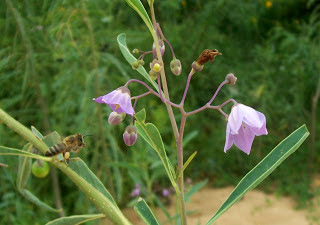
{"points": [[145, 213], [187, 163], [138, 7], [17, 152], [151, 135], [36, 132], [31, 197], [264, 168], [130, 58], [74, 220], [194, 189], [24, 169]]}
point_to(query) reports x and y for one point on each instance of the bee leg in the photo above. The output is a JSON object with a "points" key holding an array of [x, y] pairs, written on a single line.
{"points": [[66, 157]]}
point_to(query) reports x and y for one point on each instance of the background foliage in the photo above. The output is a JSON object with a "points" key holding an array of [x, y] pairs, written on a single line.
{"points": [[55, 56]]}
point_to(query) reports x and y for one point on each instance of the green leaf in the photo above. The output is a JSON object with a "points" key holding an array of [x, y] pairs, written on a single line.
{"points": [[264, 168], [138, 7], [24, 171], [31, 197], [36, 132], [16, 152], [151, 135], [187, 163], [130, 58], [74, 220], [194, 189], [145, 213]]}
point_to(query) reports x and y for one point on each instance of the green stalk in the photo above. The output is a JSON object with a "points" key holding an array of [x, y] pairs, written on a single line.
{"points": [[99, 200], [178, 135]]}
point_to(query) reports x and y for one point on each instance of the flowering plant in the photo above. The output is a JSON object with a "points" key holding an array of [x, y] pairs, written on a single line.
{"points": [[243, 124]]}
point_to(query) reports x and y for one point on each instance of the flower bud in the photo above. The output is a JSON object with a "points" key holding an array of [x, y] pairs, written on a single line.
{"points": [[130, 135], [196, 66], [175, 66], [162, 48], [141, 62], [116, 118], [153, 75], [155, 66], [135, 51], [40, 169], [231, 78], [135, 65]]}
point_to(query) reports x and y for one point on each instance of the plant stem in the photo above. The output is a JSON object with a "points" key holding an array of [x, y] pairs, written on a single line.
{"points": [[163, 77], [187, 86], [183, 214], [177, 135]]}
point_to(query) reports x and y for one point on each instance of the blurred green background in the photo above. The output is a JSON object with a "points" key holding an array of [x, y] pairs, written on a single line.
{"points": [[55, 56]]}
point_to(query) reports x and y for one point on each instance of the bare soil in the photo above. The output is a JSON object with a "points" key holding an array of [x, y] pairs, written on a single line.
{"points": [[256, 208]]}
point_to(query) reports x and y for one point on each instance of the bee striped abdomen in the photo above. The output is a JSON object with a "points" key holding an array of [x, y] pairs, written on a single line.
{"points": [[56, 149]]}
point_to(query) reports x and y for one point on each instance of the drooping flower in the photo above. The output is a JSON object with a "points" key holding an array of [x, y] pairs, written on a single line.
{"points": [[119, 100], [244, 123]]}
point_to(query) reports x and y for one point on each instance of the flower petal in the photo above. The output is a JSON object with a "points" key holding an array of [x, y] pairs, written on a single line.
{"points": [[244, 139], [263, 129], [235, 119], [251, 116], [229, 140], [99, 99]]}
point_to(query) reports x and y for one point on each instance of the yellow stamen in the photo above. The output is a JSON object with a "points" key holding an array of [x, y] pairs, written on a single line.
{"points": [[117, 107]]}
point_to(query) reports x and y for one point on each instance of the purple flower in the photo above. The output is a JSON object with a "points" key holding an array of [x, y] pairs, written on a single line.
{"points": [[119, 100], [244, 123], [136, 191], [165, 193]]}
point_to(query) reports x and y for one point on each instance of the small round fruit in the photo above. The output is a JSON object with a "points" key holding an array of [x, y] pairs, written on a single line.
{"points": [[40, 169]]}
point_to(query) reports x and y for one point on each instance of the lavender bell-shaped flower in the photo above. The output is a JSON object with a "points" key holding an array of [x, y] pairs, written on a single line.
{"points": [[244, 123], [119, 100]]}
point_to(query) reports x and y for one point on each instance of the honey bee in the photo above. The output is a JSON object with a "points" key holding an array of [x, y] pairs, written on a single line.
{"points": [[71, 143]]}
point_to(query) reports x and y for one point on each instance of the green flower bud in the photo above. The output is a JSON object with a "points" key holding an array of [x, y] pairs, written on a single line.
{"points": [[135, 51], [175, 66], [153, 75], [40, 169], [135, 65], [155, 66], [141, 62]]}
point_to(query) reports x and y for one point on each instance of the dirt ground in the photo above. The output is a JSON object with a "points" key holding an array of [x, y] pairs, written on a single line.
{"points": [[256, 208]]}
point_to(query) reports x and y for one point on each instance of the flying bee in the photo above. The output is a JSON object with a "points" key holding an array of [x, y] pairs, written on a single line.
{"points": [[71, 143]]}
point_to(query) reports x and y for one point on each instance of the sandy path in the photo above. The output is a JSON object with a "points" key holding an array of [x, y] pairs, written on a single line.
{"points": [[256, 208]]}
